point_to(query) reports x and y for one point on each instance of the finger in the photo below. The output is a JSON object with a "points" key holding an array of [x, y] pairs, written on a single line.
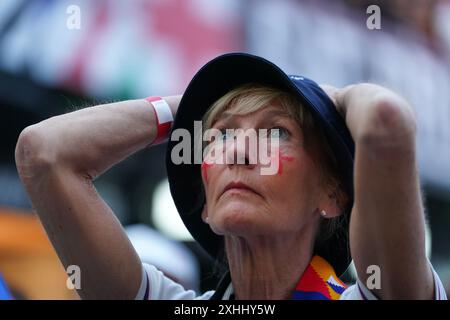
{"points": [[330, 91]]}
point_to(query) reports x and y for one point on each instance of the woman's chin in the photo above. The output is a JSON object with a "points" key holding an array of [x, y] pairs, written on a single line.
{"points": [[237, 221]]}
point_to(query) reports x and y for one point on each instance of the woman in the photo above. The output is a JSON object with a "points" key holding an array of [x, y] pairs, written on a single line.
{"points": [[281, 235]]}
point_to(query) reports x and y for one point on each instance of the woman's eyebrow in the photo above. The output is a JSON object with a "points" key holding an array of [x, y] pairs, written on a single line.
{"points": [[228, 119], [224, 121]]}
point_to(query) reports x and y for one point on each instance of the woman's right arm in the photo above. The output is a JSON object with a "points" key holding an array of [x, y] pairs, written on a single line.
{"points": [[57, 160]]}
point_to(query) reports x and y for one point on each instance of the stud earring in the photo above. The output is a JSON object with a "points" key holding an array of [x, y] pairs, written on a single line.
{"points": [[323, 213], [207, 220]]}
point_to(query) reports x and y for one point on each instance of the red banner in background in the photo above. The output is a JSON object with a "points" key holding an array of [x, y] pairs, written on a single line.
{"points": [[119, 49]]}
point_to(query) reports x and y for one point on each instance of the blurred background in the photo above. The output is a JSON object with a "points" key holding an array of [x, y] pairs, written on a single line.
{"points": [[57, 56]]}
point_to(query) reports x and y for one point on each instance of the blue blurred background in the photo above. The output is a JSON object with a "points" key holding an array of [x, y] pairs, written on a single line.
{"points": [[57, 56]]}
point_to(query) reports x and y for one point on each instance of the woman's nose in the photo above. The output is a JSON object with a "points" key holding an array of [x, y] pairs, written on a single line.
{"points": [[242, 149]]}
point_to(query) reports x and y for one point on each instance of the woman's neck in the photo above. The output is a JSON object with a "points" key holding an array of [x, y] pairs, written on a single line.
{"points": [[267, 268]]}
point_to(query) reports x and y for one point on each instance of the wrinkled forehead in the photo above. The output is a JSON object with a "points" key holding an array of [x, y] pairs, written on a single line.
{"points": [[271, 110]]}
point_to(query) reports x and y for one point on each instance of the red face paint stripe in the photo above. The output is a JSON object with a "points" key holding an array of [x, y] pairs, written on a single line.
{"points": [[281, 159], [205, 166]]}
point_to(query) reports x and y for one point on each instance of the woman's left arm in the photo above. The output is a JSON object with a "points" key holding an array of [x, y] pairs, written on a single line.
{"points": [[387, 226]]}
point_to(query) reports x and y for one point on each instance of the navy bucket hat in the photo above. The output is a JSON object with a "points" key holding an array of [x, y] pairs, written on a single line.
{"points": [[211, 82]]}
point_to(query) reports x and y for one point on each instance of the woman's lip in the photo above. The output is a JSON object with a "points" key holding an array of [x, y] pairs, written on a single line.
{"points": [[238, 188]]}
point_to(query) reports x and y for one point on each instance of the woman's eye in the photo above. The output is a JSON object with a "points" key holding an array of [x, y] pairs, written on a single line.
{"points": [[226, 134], [278, 132]]}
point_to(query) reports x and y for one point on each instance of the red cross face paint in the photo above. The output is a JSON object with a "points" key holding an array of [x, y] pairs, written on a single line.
{"points": [[213, 154], [204, 167], [278, 157], [283, 158]]}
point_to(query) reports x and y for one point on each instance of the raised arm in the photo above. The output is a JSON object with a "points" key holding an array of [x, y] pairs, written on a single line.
{"points": [[57, 160], [387, 226]]}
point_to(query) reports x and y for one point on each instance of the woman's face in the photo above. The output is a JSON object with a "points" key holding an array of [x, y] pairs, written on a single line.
{"points": [[260, 204]]}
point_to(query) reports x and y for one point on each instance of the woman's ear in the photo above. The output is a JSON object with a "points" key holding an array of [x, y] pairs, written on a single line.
{"points": [[332, 203], [205, 217]]}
